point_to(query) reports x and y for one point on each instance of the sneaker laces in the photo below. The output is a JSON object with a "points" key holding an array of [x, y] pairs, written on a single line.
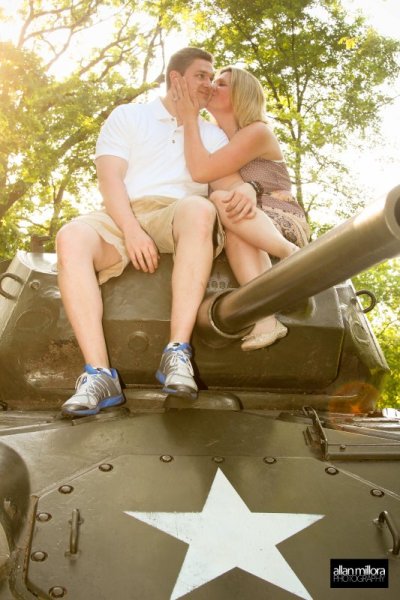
{"points": [[179, 357], [92, 385]]}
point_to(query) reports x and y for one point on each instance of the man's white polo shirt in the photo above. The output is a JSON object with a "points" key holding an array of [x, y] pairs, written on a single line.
{"points": [[148, 138]]}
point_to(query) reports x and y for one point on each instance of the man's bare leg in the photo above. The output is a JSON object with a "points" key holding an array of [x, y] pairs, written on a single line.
{"points": [[81, 252], [192, 229]]}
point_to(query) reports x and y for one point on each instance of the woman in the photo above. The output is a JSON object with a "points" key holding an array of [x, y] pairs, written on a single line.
{"points": [[237, 105]]}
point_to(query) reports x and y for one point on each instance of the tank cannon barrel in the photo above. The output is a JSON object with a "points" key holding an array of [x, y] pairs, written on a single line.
{"points": [[357, 244]]}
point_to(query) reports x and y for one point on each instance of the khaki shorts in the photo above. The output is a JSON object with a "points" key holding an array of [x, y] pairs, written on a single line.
{"points": [[155, 215]]}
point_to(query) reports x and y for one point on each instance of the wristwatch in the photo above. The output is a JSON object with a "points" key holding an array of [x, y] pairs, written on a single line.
{"points": [[256, 185]]}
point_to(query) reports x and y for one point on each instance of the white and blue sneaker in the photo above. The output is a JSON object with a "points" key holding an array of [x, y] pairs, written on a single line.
{"points": [[95, 389], [176, 372]]}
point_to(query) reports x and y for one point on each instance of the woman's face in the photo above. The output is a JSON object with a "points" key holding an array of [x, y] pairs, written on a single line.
{"points": [[221, 96]]}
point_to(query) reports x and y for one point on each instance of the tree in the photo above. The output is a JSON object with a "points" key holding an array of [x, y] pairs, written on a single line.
{"points": [[323, 76], [48, 124], [382, 280]]}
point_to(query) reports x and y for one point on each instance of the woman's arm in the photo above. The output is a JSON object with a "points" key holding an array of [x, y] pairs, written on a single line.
{"points": [[253, 141]]}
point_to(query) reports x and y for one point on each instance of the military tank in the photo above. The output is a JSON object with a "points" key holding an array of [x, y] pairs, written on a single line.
{"points": [[280, 481]]}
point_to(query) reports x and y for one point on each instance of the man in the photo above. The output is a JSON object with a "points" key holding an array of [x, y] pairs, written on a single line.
{"points": [[151, 205]]}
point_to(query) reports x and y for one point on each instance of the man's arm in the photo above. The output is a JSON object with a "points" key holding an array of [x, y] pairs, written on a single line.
{"points": [[111, 171]]}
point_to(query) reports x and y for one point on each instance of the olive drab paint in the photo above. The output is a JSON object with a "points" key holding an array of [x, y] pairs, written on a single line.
{"points": [[283, 470]]}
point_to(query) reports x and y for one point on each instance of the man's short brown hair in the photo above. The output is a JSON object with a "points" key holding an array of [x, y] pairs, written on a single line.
{"points": [[182, 59]]}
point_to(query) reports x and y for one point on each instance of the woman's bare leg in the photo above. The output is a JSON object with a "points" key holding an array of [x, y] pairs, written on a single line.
{"points": [[259, 231], [248, 262]]}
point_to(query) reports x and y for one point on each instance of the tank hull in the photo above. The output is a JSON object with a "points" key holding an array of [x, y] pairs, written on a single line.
{"points": [[329, 340], [98, 508], [279, 478]]}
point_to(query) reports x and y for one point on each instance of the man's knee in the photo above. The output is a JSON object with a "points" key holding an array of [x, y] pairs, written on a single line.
{"points": [[65, 238], [197, 212], [74, 240]]}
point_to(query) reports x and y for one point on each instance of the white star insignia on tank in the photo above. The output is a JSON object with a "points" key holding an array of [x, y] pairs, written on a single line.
{"points": [[225, 535]]}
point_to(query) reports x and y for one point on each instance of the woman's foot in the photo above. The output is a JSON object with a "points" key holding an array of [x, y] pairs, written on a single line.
{"points": [[264, 333]]}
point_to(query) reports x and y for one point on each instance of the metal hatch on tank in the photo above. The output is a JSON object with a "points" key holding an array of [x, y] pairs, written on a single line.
{"points": [[282, 465]]}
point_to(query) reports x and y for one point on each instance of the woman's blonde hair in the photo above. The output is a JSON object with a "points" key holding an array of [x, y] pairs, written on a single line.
{"points": [[247, 96]]}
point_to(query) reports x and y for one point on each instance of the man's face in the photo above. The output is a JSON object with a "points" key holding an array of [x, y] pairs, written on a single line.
{"points": [[199, 77]]}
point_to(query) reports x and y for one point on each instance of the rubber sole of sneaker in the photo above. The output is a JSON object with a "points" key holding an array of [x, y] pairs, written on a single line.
{"points": [[106, 403], [182, 391]]}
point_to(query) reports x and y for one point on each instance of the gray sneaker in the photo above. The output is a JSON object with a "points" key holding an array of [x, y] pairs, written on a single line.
{"points": [[95, 389], [176, 372]]}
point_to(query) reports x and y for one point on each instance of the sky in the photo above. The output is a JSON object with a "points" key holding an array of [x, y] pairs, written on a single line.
{"points": [[378, 169]]}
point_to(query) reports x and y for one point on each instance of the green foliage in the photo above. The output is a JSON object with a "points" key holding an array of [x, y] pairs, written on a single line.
{"points": [[383, 280], [48, 128], [49, 123], [322, 74]]}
